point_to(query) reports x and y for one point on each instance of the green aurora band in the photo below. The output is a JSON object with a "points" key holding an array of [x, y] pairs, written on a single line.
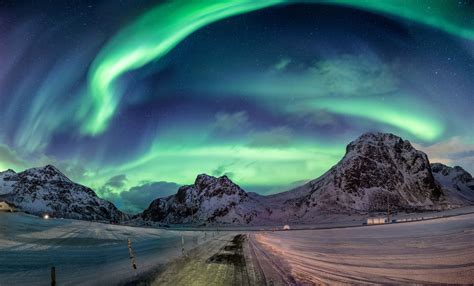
{"points": [[157, 32], [424, 126]]}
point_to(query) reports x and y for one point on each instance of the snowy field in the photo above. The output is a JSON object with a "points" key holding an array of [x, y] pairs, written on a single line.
{"points": [[83, 253], [434, 251]]}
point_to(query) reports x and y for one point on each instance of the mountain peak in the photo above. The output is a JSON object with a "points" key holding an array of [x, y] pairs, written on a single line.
{"points": [[371, 141], [210, 199], [9, 171], [203, 180], [46, 173], [47, 190], [455, 172]]}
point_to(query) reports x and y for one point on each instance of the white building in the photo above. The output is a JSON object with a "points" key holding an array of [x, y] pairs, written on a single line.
{"points": [[5, 207], [376, 220]]}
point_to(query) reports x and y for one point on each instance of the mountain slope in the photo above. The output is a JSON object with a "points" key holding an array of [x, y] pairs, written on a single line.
{"points": [[455, 182], [47, 190], [377, 170], [208, 200]]}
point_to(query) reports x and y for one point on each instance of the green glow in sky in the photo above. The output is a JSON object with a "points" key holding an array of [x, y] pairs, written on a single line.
{"points": [[422, 125], [157, 32], [270, 99], [150, 38], [265, 166]]}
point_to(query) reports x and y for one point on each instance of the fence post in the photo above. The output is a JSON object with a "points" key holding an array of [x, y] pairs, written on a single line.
{"points": [[53, 276], [132, 254]]}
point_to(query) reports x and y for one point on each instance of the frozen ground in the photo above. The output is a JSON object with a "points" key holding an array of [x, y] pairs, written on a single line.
{"points": [[431, 251], [434, 251], [83, 252]]}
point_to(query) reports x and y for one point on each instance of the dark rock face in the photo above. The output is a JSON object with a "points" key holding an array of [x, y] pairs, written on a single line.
{"points": [[388, 162], [47, 190], [377, 168]]}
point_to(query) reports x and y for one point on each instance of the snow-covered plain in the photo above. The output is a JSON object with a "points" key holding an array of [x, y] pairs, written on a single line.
{"points": [[83, 253], [433, 251], [86, 253]]}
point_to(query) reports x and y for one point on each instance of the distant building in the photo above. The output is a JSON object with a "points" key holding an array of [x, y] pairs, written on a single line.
{"points": [[286, 227], [376, 220], [5, 207]]}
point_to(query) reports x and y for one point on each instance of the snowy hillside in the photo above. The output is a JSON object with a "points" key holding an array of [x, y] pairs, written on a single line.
{"points": [[455, 181], [208, 200], [47, 190], [378, 169]]}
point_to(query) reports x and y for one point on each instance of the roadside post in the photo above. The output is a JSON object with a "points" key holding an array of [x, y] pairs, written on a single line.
{"points": [[182, 245], [53, 276], [132, 254]]}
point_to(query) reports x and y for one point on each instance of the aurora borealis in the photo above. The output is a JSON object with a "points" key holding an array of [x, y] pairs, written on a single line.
{"points": [[135, 98]]}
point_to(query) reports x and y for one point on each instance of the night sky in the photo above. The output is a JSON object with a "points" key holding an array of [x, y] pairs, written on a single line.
{"points": [[134, 98]]}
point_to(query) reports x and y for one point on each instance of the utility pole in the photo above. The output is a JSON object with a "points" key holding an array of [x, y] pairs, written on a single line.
{"points": [[388, 209], [192, 206]]}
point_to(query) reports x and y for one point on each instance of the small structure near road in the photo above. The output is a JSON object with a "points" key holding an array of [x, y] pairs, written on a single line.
{"points": [[376, 220], [5, 207], [286, 227]]}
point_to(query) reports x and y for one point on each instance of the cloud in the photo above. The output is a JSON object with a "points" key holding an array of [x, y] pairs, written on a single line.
{"points": [[227, 122], [342, 76], [318, 118], [453, 151], [276, 137], [281, 65], [139, 197], [112, 188], [222, 170], [117, 182], [351, 75], [110, 194]]}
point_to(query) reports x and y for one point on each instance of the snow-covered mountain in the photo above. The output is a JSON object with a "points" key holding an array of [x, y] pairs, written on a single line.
{"points": [[456, 182], [47, 190], [208, 200], [378, 169]]}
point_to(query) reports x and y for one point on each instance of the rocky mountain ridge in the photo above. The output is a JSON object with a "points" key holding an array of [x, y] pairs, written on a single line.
{"points": [[208, 200], [457, 183], [377, 169], [48, 191]]}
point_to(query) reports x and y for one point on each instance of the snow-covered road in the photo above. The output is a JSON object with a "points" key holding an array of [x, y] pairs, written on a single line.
{"points": [[83, 252]]}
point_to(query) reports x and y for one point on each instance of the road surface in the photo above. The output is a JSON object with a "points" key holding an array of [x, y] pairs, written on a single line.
{"points": [[84, 253], [434, 251]]}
